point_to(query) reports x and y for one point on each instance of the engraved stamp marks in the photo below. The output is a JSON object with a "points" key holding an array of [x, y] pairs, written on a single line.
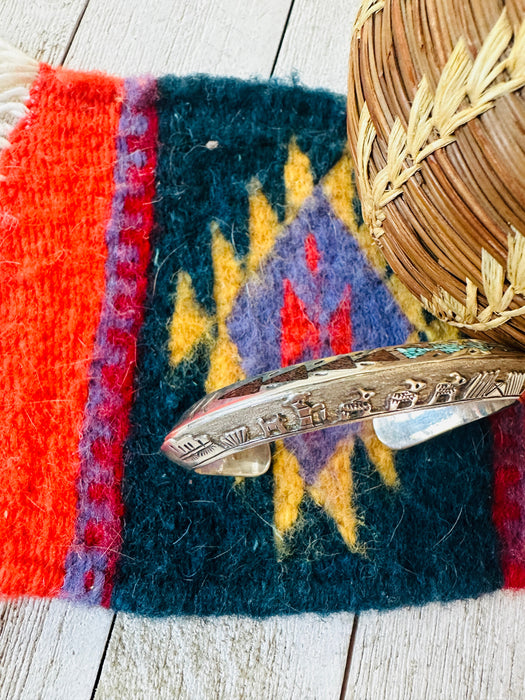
{"points": [[513, 385], [236, 437], [309, 414], [405, 398], [273, 425], [447, 390], [191, 448], [481, 385], [488, 384], [357, 406]]}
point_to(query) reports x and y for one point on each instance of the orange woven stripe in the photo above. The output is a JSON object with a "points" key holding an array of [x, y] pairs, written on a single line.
{"points": [[54, 206]]}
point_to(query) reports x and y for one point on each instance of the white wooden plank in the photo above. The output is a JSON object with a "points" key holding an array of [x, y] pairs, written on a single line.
{"points": [[50, 649], [294, 658], [233, 37], [316, 45], [41, 28], [467, 649]]}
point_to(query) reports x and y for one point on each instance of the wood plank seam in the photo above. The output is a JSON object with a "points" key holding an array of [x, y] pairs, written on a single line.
{"points": [[285, 28], [73, 33], [351, 645], [104, 653]]}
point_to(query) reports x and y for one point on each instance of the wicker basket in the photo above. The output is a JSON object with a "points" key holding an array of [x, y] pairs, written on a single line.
{"points": [[436, 120]]}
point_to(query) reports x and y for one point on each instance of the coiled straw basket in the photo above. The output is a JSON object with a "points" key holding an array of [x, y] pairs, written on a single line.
{"points": [[436, 120]]}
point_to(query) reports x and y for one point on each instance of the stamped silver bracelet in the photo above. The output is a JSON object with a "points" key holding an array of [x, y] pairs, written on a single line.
{"points": [[411, 393]]}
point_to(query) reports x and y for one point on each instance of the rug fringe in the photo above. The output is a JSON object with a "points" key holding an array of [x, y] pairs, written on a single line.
{"points": [[17, 72]]}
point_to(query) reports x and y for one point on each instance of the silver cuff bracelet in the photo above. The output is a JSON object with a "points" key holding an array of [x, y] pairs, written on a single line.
{"points": [[411, 393]]}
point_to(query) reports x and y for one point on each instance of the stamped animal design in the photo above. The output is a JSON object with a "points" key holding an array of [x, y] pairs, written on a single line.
{"points": [[405, 398], [446, 391], [358, 405], [273, 425]]}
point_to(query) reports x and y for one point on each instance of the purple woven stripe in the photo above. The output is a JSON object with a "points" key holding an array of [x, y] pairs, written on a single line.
{"points": [[92, 556]]}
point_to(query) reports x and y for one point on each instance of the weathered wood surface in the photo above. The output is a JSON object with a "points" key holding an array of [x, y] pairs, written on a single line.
{"points": [[50, 649], [316, 43], [41, 28], [224, 37], [53, 650], [294, 658], [467, 650]]}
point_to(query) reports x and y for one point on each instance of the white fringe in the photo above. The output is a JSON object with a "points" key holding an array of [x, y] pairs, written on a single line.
{"points": [[17, 72]]}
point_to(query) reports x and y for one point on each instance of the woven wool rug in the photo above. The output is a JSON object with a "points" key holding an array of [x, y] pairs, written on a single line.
{"points": [[164, 238]]}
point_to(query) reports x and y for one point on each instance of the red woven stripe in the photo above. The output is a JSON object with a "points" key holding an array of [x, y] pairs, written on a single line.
{"points": [[55, 204]]}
